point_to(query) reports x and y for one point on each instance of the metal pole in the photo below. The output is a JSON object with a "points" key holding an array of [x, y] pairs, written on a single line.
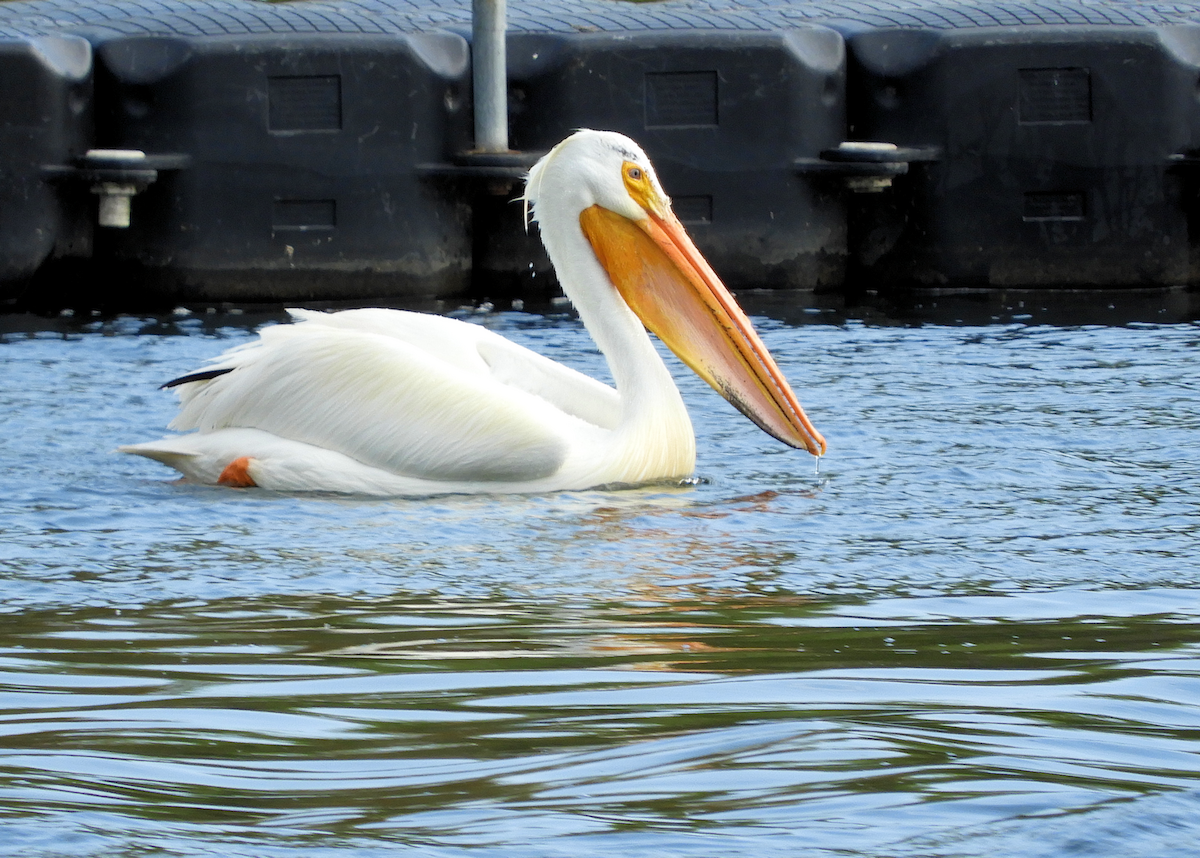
{"points": [[490, 75]]}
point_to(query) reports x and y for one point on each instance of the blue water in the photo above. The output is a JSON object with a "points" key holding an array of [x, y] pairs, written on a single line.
{"points": [[973, 633]]}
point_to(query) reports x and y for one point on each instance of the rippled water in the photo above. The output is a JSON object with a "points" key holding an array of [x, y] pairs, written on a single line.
{"points": [[974, 633]]}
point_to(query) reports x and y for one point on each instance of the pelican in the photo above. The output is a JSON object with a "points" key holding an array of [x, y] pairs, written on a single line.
{"points": [[393, 403]]}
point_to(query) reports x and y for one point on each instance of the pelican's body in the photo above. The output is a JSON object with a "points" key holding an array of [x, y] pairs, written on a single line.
{"points": [[386, 402]]}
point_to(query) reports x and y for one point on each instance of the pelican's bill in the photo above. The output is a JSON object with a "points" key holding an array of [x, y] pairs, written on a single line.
{"points": [[671, 287]]}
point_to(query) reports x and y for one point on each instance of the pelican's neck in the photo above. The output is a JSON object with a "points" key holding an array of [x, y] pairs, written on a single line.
{"points": [[638, 372], [652, 411]]}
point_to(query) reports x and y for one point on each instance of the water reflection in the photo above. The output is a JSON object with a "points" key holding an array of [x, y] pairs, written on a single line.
{"points": [[975, 633], [342, 717]]}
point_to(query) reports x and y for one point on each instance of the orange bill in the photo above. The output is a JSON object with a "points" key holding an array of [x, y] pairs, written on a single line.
{"points": [[673, 290]]}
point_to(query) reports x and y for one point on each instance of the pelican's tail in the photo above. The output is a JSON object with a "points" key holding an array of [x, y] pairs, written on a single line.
{"points": [[175, 453]]}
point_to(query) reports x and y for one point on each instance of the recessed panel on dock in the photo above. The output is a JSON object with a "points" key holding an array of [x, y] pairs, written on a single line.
{"points": [[45, 120], [723, 115], [1057, 158], [303, 179]]}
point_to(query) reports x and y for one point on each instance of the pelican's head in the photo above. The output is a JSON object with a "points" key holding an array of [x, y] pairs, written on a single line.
{"points": [[606, 181], [601, 168]]}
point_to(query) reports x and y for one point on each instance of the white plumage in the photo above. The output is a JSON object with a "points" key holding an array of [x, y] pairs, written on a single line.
{"points": [[386, 402]]}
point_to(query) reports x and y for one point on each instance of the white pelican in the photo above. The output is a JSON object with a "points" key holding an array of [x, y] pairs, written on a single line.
{"points": [[385, 402]]}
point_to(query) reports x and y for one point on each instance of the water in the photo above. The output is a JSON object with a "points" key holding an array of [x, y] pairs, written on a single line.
{"points": [[973, 633]]}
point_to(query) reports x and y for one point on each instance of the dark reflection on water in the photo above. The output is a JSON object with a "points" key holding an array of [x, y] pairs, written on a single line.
{"points": [[973, 633]]}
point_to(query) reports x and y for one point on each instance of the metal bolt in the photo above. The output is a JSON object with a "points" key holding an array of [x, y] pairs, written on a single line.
{"points": [[115, 203]]}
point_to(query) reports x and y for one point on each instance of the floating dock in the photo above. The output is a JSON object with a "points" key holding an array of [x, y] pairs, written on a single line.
{"points": [[183, 151]]}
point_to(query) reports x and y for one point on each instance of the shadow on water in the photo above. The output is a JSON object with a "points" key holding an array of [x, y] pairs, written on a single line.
{"points": [[957, 307], [1064, 307], [975, 632]]}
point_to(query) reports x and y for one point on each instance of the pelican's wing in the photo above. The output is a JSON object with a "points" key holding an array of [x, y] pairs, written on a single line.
{"points": [[475, 349], [424, 405]]}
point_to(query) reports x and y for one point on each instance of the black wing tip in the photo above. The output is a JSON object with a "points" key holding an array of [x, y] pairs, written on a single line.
{"points": [[203, 375]]}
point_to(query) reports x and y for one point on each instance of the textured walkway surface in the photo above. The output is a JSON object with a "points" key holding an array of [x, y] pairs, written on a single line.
{"points": [[243, 17]]}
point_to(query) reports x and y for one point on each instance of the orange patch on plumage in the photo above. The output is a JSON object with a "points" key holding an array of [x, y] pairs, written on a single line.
{"points": [[237, 474]]}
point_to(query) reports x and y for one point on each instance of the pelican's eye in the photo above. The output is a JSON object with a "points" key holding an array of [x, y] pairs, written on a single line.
{"points": [[640, 188]]}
